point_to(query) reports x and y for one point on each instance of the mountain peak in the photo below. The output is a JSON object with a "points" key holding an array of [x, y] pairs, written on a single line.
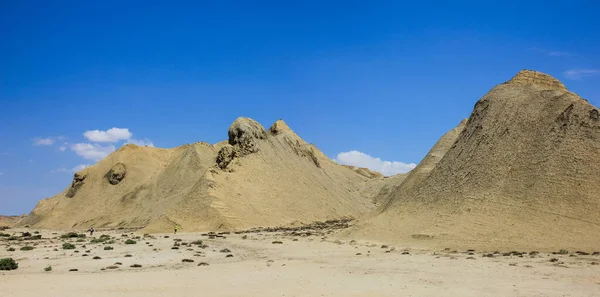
{"points": [[279, 127], [531, 77]]}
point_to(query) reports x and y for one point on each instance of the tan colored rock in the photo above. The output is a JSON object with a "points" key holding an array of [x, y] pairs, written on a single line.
{"points": [[522, 175], [116, 174]]}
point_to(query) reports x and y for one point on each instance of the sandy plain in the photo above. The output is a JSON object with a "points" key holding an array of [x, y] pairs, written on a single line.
{"points": [[281, 263]]}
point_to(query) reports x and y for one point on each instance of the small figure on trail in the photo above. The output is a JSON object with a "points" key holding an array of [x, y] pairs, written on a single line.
{"points": [[176, 227], [91, 231]]}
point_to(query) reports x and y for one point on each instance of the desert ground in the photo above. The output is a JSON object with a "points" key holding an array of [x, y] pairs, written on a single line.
{"points": [[305, 261]]}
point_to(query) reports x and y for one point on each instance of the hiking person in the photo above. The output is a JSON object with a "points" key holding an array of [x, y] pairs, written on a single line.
{"points": [[176, 227], [91, 231]]}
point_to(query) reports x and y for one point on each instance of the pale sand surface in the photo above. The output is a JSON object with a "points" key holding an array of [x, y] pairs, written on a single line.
{"points": [[310, 266]]}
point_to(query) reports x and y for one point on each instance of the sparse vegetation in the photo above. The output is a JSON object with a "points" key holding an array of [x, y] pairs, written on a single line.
{"points": [[11, 249], [554, 260], [187, 260], [96, 258], [563, 252], [136, 266], [68, 246], [8, 264], [72, 235], [130, 241], [108, 248], [202, 264], [197, 242], [112, 267], [225, 250], [48, 268], [128, 256], [27, 248]]}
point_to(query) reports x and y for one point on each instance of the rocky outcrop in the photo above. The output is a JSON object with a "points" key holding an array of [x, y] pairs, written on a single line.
{"points": [[244, 134], [225, 155], [116, 174], [279, 127], [78, 180]]}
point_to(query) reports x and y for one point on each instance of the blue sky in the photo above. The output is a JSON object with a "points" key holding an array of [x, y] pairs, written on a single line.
{"points": [[382, 78]]}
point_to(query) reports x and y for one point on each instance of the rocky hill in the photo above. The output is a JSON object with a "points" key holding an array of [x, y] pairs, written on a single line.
{"points": [[256, 178], [521, 173]]}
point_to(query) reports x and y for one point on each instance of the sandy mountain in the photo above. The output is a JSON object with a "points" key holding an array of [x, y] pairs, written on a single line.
{"points": [[9, 221], [366, 172], [256, 178], [522, 174]]}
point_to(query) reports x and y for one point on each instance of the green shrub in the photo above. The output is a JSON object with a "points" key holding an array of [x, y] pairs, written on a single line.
{"points": [[71, 235], [98, 240], [48, 268], [27, 248], [8, 264], [130, 241], [35, 237], [68, 246], [197, 242], [11, 249], [13, 238], [4, 234], [80, 240], [108, 248]]}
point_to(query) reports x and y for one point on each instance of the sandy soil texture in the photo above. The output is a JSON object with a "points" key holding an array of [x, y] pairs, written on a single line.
{"points": [[304, 263]]}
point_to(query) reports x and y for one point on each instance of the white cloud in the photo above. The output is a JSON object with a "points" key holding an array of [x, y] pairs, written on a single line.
{"points": [[72, 170], [359, 159], [140, 142], [4, 154], [43, 141], [61, 169], [552, 53], [63, 147], [559, 54], [110, 135], [92, 151], [579, 73], [80, 167]]}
